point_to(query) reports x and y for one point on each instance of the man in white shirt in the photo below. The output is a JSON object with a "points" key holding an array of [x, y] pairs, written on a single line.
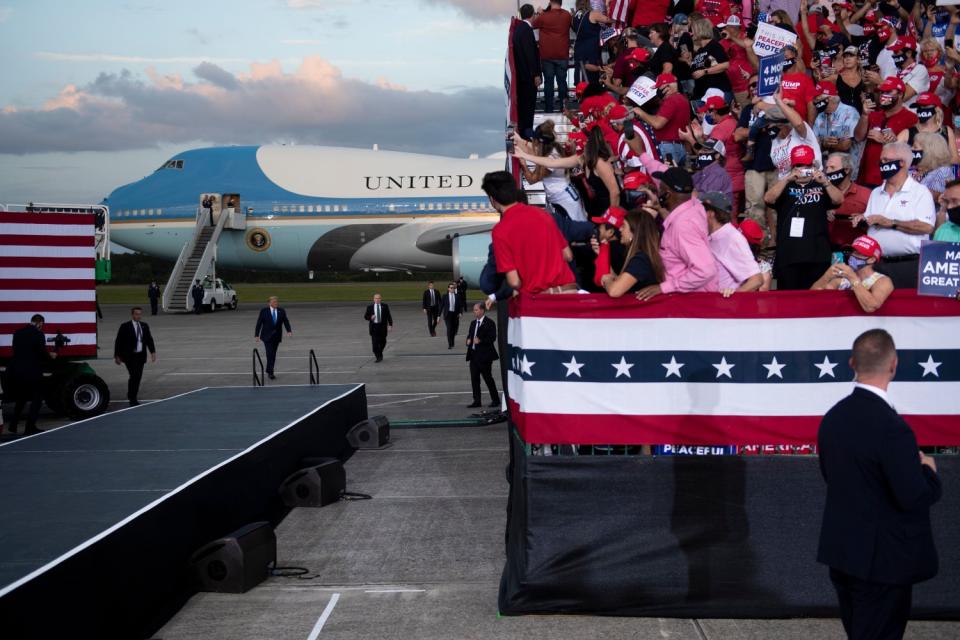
{"points": [[915, 76], [901, 214]]}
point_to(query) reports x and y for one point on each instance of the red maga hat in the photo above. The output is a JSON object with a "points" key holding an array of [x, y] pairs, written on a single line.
{"points": [[639, 54], [633, 181], [826, 88], [867, 246], [892, 83], [665, 79], [713, 102], [928, 99], [581, 88], [751, 231], [802, 154], [618, 112], [614, 217]]}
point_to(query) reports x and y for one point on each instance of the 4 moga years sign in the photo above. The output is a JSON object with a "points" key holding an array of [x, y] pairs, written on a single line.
{"points": [[939, 269]]}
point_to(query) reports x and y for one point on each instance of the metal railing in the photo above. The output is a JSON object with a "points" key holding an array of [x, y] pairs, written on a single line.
{"points": [[257, 363], [314, 368], [206, 259]]}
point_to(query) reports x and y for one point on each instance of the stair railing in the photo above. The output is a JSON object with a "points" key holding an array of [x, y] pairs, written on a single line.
{"points": [[314, 368]]}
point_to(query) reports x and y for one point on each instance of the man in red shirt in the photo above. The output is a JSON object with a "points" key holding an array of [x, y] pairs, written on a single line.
{"points": [[839, 171], [740, 69], [672, 115], [724, 125], [527, 244], [797, 87], [554, 26], [880, 127]]}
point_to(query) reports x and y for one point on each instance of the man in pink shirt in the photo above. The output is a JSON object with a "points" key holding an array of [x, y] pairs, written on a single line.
{"points": [[688, 263], [736, 267]]}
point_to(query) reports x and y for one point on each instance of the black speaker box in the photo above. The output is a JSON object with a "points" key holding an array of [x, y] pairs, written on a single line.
{"points": [[317, 485], [237, 562], [370, 434]]}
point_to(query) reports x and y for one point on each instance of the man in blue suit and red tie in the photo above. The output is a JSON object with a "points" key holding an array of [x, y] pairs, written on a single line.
{"points": [[270, 325]]}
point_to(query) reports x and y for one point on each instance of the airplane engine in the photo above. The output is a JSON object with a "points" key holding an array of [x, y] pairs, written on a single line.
{"points": [[469, 256]]}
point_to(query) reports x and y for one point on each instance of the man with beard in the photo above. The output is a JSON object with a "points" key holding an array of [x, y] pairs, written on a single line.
{"points": [[801, 200], [949, 216], [881, 127], [915, 77]]}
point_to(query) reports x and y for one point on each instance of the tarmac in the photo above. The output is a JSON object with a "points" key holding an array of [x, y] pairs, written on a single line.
{"points": [[422, 559]]}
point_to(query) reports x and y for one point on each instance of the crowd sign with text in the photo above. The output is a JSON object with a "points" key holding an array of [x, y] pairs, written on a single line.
{"points": [[771, 39], [770, 74], [642, 90], [939, 269]]}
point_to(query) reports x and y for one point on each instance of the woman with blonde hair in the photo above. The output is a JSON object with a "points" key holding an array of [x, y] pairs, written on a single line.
{"points": [[931, 56], [930, 113], [932, 162], [709, 62]]}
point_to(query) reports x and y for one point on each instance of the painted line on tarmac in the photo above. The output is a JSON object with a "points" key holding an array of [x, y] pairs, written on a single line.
{"points": [[322, 620], [233, 373], [396, 591], [423, 393], [418, 399]]}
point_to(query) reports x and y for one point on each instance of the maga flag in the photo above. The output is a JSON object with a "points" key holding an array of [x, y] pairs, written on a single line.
{"points": [[754, 369]]}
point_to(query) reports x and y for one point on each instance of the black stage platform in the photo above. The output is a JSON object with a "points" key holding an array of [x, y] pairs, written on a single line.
{"points": [[100, 517]]}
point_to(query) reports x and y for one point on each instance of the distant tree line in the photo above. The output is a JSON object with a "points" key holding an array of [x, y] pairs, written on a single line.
{"points": [[140, 268]]}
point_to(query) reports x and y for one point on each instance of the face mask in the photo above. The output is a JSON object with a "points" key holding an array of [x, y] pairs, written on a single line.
{"points": [[890, 169], [953, 213], [821, 105], [924, 115], [917, 157], [856, 263], [774, 133], [836, 178], [887, 101], [899, 59], [704, 160], [930, 60]]}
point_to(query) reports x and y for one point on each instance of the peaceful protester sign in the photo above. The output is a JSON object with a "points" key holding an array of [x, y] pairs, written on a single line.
{"points": [[939, 269], [771, 39]]}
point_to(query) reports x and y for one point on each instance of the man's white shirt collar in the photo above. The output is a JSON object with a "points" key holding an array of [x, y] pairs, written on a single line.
{"points": [[877, 390]]}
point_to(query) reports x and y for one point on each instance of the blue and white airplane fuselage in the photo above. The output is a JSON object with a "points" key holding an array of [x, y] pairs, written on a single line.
{"points": [[316, 209]]}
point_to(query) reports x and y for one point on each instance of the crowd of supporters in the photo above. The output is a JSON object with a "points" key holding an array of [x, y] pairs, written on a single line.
{"points": [[677, 175]]}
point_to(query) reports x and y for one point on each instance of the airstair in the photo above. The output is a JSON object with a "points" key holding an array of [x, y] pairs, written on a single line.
{"points": [[196, 262]]}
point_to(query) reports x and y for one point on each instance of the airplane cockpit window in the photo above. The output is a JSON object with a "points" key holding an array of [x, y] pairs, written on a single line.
{"points": [[172, 164]]}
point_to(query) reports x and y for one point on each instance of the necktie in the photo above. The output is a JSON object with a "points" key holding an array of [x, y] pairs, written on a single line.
{"points": [[476, 330], [376, 316], [136, 331], [433, 300], [451, 301]]}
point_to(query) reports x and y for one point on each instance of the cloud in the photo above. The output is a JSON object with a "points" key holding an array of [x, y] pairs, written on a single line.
{"points": [[485, 10], [315, 104], [5, 13]]}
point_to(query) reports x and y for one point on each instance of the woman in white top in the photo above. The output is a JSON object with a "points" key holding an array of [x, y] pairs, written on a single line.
{"points": [[870, 287], [562, 197]]}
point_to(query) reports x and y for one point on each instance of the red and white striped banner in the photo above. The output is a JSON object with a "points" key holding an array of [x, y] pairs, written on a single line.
{"points": [[754, 369], [47, 266], [619, 10]]}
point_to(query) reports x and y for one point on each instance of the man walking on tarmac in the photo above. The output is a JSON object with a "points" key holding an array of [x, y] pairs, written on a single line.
{"points": [[197, 293], [431, 308], [270, 325], [130, 348], [25, 372]]}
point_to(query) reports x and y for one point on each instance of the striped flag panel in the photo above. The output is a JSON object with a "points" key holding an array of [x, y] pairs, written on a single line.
{"points": [[47, 266], [755, 369]]}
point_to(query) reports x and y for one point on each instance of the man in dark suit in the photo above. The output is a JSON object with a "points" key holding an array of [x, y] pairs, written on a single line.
{"points": [[130, 348], [876, 535], [378, 315], [24, 377], [270, 325], [481, 352], [462, 292], [526, 64], [452, 308], [153, 293], [196, 291], [431, 308]]}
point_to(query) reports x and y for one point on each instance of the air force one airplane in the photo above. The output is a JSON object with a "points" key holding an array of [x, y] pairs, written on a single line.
{"points": [[307, 208]]}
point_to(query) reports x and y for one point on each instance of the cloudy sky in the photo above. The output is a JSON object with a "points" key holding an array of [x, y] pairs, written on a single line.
{"points": [[96, 94]]}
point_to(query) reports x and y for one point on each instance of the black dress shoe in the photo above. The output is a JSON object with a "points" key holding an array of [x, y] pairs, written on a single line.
{"points": [[31, 431], [495, 403], [475, 405], [271, 376], [134, 403], [379, 359]]}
